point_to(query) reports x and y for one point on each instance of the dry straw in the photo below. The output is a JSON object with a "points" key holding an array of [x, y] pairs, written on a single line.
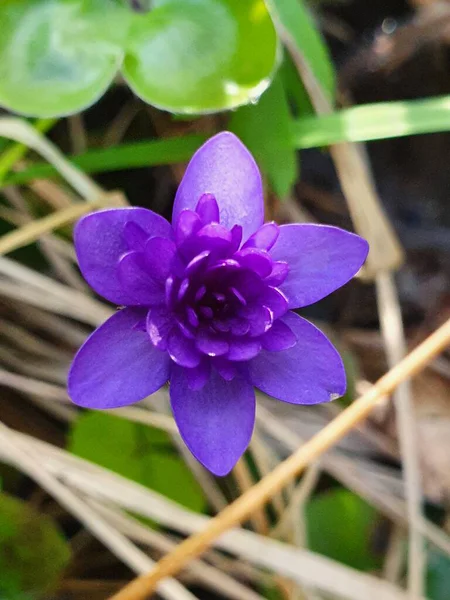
{"points": [[266, 488]]}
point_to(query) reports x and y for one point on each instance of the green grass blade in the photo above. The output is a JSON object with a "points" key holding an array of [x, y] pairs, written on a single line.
{"points": [[359, 124], [140, 154], [379, 121]]}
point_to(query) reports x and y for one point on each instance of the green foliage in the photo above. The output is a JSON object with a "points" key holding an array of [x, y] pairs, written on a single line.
{"points": [[136, 154], [265, 128], [189, 56], [295, 90], [339, 525], [140, 453], [33, 552], [438, 576], [296, 20], [359, 124], [376, 121], [192, 56]]}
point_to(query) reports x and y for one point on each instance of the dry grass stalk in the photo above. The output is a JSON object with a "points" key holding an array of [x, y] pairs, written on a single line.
{"points": [[258, 495], [385, 255], [113, 539], [29, 233], [394, 339], [20, 131], [300, 565]]}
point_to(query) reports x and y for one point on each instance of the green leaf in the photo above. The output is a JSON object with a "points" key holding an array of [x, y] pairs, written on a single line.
{"points": [[188, 56], [141, 453], [58, 57], [295, 19], [438, 575], [194, 56], [360, 124], [339, 525], [33, 552], [265, 128], [295, 90]]}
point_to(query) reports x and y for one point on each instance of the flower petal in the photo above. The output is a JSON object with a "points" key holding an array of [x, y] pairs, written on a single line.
{"points": [[215, 422], [117, 365], [137, 283], [264, 238], [211, 344], [321, 259], [208, 209], [182, 350], [255, 260], [225, 168], [279, 337], [243, 349], [158, 325], [100, 241], [275, 300], [159, 256], [308, 373]]}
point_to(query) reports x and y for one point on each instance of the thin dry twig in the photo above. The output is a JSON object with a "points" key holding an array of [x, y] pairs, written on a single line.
{"points": [[244, 480], [256, 497], [20, 131], [394, 338], [354, 176], [32, 231], [300, 565], [210, 576]]}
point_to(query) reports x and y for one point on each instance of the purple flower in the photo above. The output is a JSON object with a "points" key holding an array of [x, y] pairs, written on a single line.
{"points": [[207, 305]]}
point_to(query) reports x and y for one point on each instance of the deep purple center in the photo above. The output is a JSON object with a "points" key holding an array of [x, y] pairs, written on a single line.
{"points": [[221, 298]]}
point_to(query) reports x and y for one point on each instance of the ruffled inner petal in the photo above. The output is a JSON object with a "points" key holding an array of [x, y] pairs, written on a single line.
{"points": [[141, 288], [103, 237]]}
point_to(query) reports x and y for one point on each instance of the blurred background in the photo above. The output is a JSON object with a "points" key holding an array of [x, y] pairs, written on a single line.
{"points": [[346, 107]]}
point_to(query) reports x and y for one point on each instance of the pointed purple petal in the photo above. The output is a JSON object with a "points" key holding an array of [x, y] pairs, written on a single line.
{"points": [[308, 373], [321, 259], [216, 422], [224, 167], [208, 209], [100, 241], [117, 365], [140, 287]]}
